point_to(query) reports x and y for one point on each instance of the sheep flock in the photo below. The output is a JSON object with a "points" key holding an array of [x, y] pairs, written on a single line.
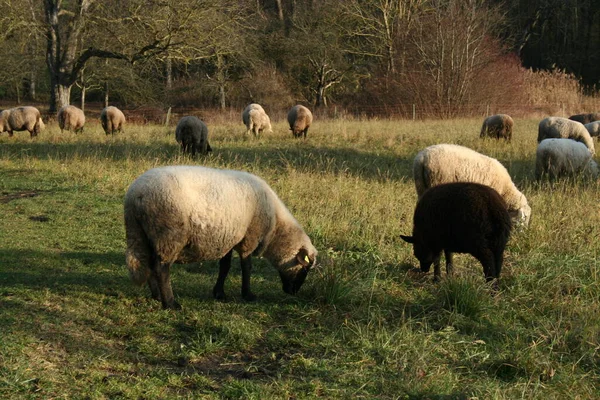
{"points": [[176, 214]]}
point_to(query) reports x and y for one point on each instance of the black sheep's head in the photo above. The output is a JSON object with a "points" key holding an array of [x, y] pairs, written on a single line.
{"points": [[422, 253], [294, 275]]}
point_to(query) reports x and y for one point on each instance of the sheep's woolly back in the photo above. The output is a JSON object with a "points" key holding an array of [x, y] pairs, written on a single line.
{"points": [[192, 134], [246, 112], [593, 128], [187, 213], [70, 118], [446, 163], [258, 121], [497, 126], [25, 118], [558, 127], [112, 119], [299, 118], [564, 157]]}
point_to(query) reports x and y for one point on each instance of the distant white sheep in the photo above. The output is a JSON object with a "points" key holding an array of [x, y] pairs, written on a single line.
{"points": [[446, 163], [558, 127], [112, 120], [256, 119], [497, 126], [71, 118], [180, 214], [564, 157], [300, 118], [25, 118]]}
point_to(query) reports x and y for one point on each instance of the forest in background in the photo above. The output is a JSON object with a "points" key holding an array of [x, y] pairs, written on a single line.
{"points": [[444, 58]]}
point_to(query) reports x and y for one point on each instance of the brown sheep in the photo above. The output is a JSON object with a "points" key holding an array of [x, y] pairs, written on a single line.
{"points": [[21, 119], [497, 126], [300, 118], [112, 120], [71, 118]]}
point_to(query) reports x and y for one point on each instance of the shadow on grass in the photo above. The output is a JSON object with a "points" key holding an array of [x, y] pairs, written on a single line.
{"points": [[280, 155]]}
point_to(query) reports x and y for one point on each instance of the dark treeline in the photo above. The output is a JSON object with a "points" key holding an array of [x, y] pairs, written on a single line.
{"points": [[442, 56]]}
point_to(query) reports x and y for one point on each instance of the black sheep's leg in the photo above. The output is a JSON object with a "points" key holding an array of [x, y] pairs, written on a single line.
{"points": [[224, 265], [449, 264], [162, 277], [154, 288], [246, 269]]}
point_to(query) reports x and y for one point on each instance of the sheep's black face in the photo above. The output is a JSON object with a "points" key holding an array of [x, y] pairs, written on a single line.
{"points": [[293, 277], [424, 256]]}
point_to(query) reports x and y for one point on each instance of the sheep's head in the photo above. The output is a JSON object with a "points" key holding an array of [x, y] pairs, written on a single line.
{"points": [[294, 273], [422, 253]]}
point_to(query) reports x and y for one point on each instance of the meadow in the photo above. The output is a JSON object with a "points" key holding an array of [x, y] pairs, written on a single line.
{"points": [[366, 324]]}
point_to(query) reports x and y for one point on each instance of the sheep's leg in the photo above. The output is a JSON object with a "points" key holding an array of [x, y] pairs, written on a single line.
{"points": [[162, 277], [449, 264], [246, 269], [224, 265], [154, 288], [436, 268]]}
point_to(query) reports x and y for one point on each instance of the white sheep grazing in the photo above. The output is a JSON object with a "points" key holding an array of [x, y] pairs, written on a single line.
{"points": [[558, 127], [71, 118], [497, 126], [593, 129], [256, 119], [180, 214], [25, 118], [564, 157], [112, 120], [446, 163]]}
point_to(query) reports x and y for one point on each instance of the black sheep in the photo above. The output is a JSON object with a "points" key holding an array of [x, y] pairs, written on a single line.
{"points": [[192, 134], [585, 118], [460, 217]]}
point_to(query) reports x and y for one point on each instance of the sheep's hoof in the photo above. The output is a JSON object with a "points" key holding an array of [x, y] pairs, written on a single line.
{"points": [[249, 296], [219, 294], [173, 306]]}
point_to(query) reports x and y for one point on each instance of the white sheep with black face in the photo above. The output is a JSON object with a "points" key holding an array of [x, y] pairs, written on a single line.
{"points": [[564, 157], [191, 213], [446, 163], [558, 127]]}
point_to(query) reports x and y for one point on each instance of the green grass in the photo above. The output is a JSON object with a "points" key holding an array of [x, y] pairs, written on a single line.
{"points": [[366, 324]]}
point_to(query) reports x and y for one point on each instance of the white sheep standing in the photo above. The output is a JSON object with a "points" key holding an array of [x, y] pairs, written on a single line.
{"points": [[497, 126], [112, 120], [564, 157], [256, 119], [192, 213], [445, 163], [26, 118], [71, 118], [300, 118], [593, 129], [558, 127]]}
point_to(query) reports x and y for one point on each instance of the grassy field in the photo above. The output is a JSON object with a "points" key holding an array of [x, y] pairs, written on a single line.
{"points": [[366, 324]]}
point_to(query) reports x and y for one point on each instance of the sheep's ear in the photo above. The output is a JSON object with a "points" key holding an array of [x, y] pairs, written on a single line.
{"points": [[303, 258], [407, 239]]}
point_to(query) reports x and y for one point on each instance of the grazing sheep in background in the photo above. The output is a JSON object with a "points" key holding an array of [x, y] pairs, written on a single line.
{"points": [[445, 163], [181, 214], [585, 118], [558, 127], [25, 118], [300, 118], [192, 134], [460, 217], [593, 129], [564, 157], [497, 126], [256, 119], [71, 118], [112, 120]]}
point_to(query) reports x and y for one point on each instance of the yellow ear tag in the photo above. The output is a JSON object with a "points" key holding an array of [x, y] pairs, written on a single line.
{"points": [[307, 259]]}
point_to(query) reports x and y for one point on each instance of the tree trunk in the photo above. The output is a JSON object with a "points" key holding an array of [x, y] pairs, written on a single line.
{"points": [[105, 94], [169, 73], [83, 89], [32, 86], [279, 10]]}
